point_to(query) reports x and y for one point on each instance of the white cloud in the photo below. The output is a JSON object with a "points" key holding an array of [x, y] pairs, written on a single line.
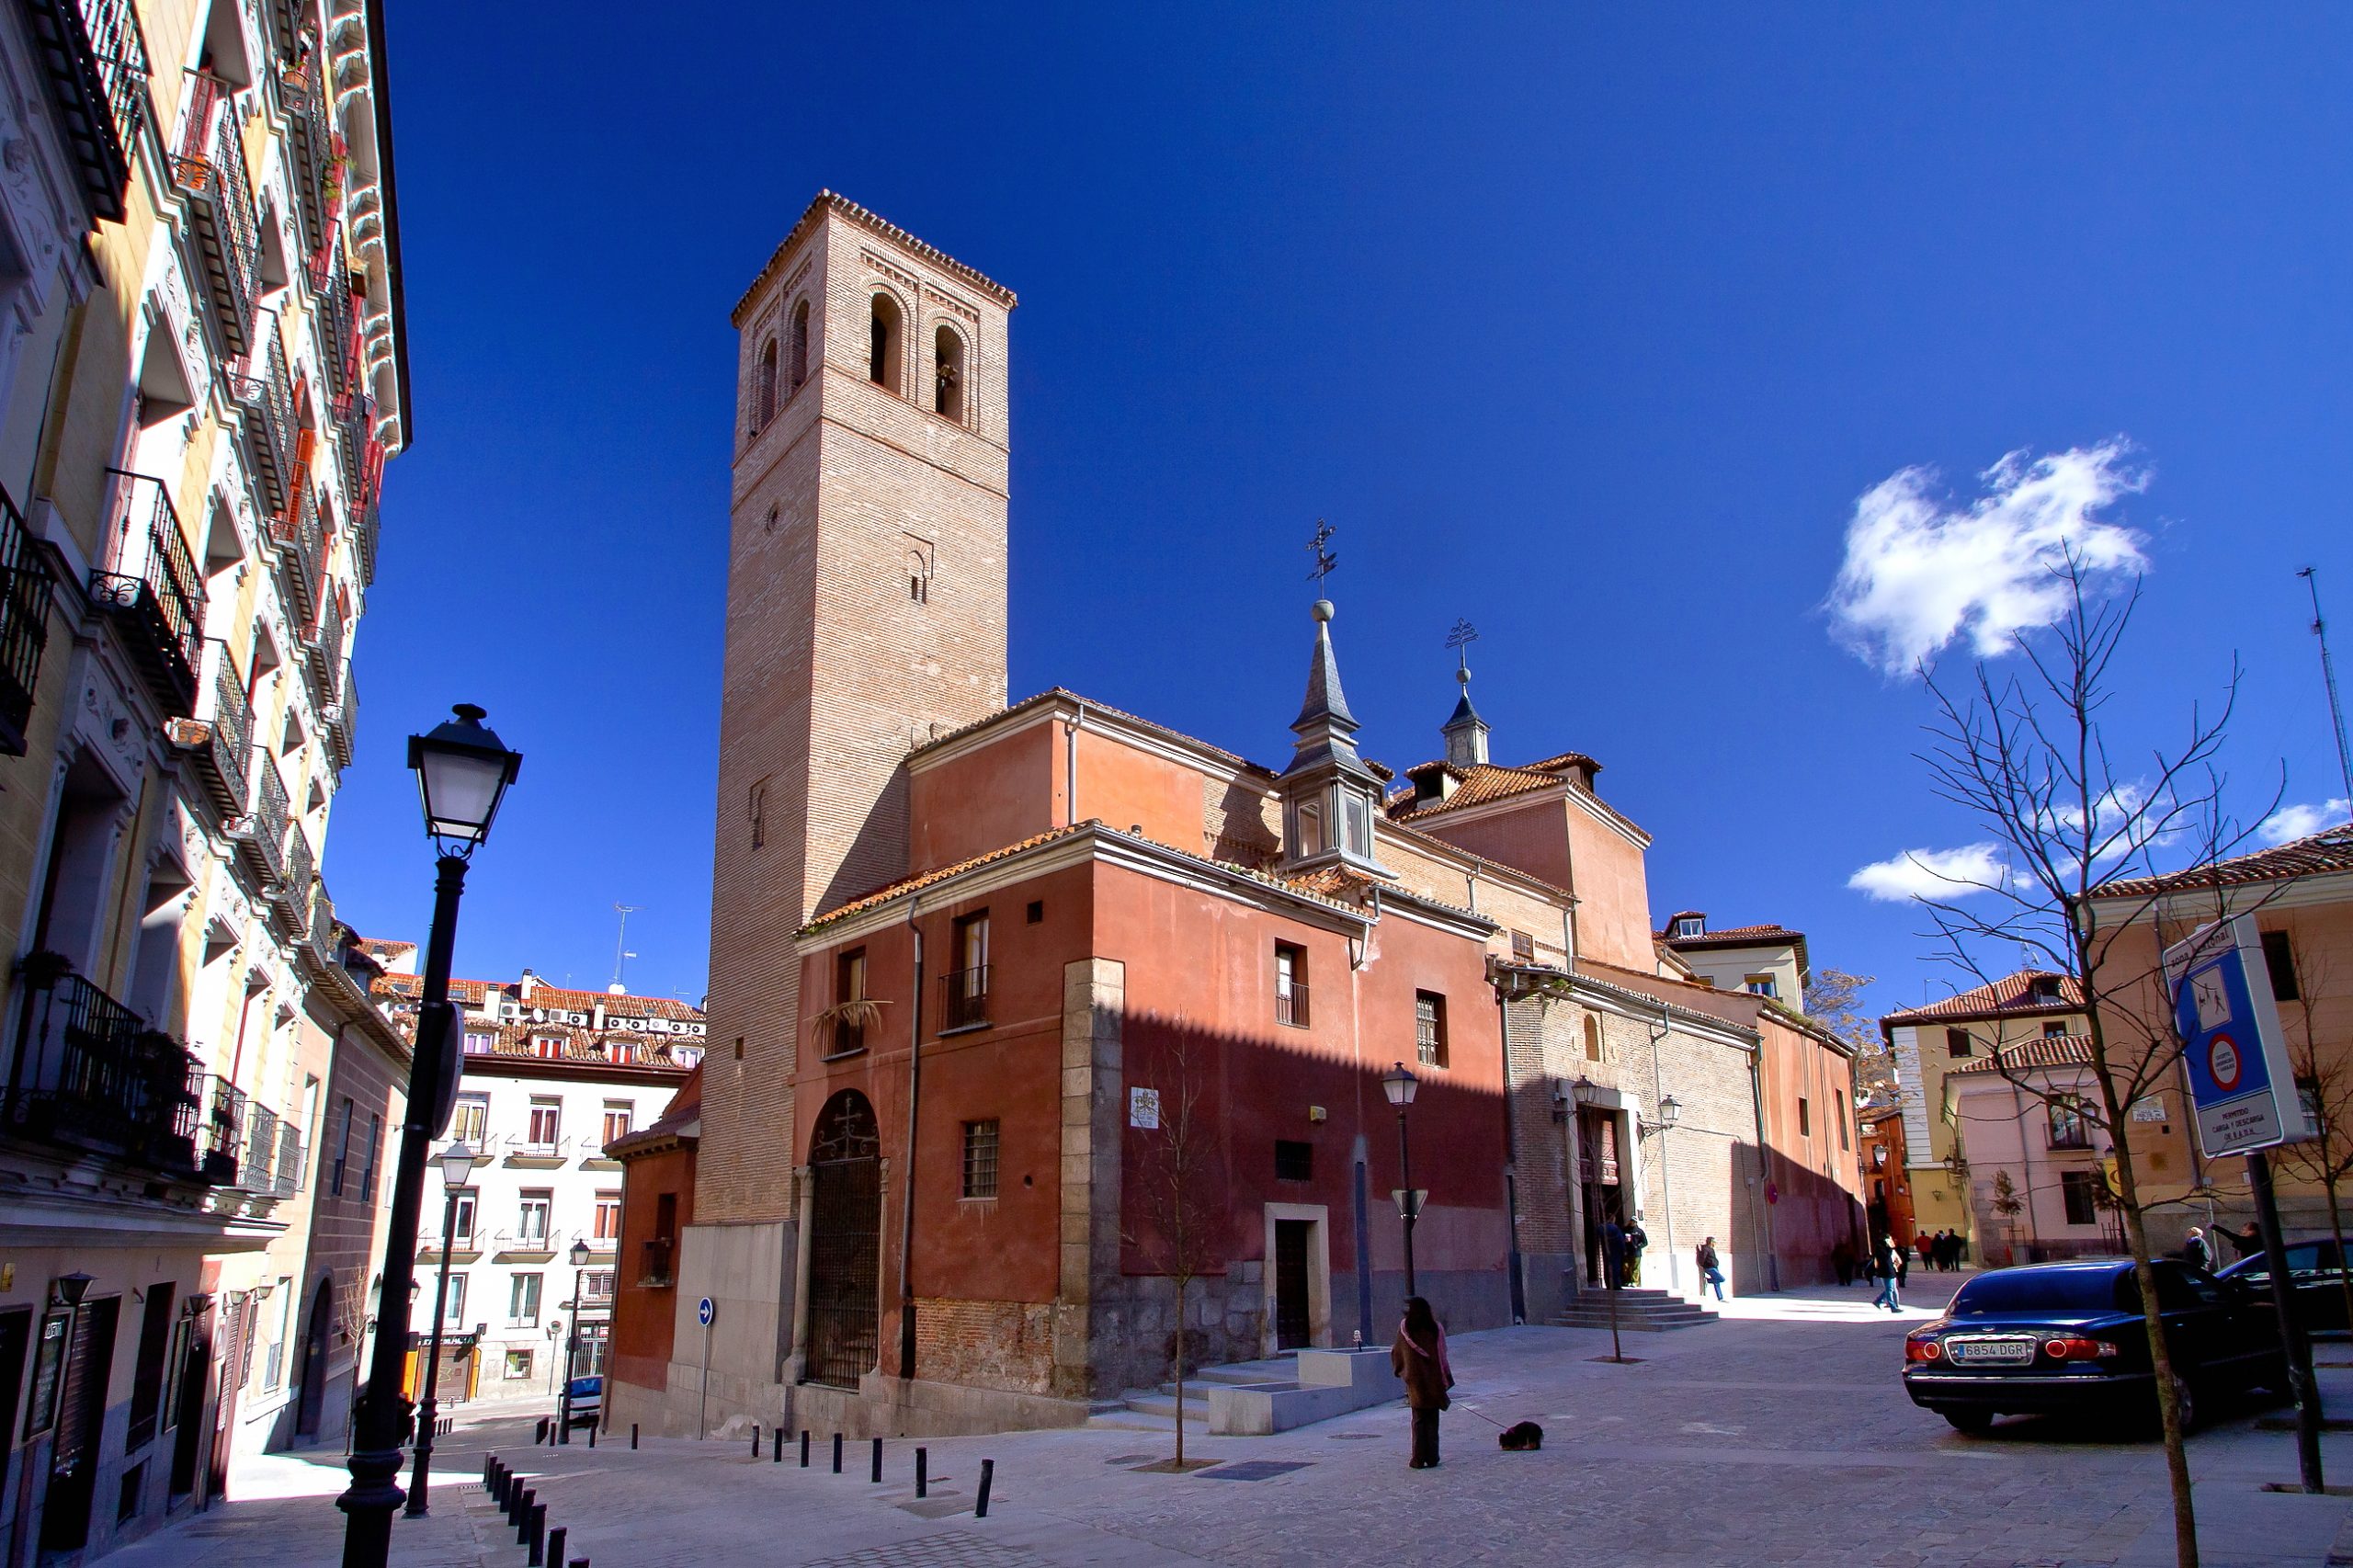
{"points": [[1923, 571], [2301, 822], [1931, 873]]}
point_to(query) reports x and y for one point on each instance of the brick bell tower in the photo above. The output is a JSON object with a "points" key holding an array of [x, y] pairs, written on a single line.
{"points": [[865, 612]]}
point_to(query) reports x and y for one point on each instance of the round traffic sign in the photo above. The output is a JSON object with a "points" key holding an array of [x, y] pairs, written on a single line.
{"points": [[704, 1311], [2222, 1061]]}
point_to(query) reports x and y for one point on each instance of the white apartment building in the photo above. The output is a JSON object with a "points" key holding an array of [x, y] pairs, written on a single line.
{"points": [[553, 1076]]}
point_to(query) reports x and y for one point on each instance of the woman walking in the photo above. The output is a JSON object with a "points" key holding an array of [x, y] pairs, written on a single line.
{"points": [[1419, 1357]]}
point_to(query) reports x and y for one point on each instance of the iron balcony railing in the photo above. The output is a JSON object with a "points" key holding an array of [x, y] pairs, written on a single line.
{"points": [[341, 718], [270, 818], [300, 551], [26, 590], [210, 166], [96, 63], [223, 1132], [293, 900], [289, 1159], [354, 422], [90, 1075], [154, 591], [967, 998], [219, 737], [313, 145], [255, 1172], [1291, 1003], [331, 309], [263, 385], [325, 656], [659, 1262]]}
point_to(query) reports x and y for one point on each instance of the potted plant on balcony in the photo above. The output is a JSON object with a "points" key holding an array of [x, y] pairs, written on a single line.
{"points": [[42, 970]]}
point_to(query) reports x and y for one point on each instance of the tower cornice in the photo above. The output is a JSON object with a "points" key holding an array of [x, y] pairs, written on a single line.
{"points": [[827, 201]]}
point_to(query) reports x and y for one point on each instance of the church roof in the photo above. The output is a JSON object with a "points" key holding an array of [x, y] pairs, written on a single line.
{"points": [[827, 201]]}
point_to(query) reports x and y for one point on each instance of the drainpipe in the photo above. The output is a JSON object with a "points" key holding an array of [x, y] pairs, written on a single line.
{"points": [[1763, 1168], [907, 1203], [1511, 1163], [1666, 1192], [1070, 765]]}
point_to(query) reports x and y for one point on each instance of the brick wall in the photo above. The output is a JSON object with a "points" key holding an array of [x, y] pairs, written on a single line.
{"points": [[995, 1345]]}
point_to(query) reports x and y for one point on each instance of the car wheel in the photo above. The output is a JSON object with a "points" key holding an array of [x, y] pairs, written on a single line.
{"points": [[1970, 1421]]}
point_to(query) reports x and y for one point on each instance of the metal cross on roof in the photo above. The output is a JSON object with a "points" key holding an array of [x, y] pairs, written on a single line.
{"points": [[1459, 640], [1324, 560]]}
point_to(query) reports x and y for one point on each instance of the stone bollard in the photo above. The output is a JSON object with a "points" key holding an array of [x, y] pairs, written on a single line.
{"points": [[540, 1433], [592, 1437], [988, 1473], [523, 1517], [633, 1437], [555, 1544], [875, 1476], [755, 1439], [923, 1472], [537, 1534], [776, 1445], [804, 1447], [838, 1453]]}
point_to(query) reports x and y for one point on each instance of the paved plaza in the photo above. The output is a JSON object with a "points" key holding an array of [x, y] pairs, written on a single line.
{"points": [[1779, 1434]]}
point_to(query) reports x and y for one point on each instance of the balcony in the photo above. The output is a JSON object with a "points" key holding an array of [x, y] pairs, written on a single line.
{"points": [[296, 532], [355, 422], [521, 1246], [312, 145], [322, 937], [96, 60], [261, 841], [220, 743], [223, 1133], [465, 1246], [1291, 1003], [290, 901], [323, 651], [966, 1002], [526, 1155], [156, 595], [261, 383], [660, 1264], [341, 718], [93, 1078], [209, 169], [26, 588], [331, 313]]}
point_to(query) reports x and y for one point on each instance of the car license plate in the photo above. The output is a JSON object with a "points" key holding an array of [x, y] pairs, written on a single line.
{"points": [[1990, 1352]]}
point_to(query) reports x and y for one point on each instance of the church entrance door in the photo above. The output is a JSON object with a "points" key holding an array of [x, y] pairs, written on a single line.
{"points": [[845, 1242]]}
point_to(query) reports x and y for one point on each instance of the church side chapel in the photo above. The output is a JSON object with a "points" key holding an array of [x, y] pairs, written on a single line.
{"points": [[1023, 1016]]}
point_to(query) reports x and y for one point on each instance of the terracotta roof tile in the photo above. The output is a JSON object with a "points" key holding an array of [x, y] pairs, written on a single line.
{"points": [[2051, 1050], [2011, 994], [2328, 850], [1476, 785], [1734, 936]]}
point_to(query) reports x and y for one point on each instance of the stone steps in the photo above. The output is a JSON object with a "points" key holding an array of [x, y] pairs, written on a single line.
{"points": [[1639, 1312]]}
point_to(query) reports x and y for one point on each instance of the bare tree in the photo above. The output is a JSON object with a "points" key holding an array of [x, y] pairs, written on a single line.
{"points": [[1833, 999], [2327, 1087], [1182, 1200], [2027, 755]]}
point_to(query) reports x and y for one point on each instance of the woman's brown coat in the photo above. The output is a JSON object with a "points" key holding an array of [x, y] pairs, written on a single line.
{"points": [[1425, 1383]]}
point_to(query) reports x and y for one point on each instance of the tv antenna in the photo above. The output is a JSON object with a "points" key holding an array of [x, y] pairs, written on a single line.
{"points": [[622, 955], [2328, 677]]}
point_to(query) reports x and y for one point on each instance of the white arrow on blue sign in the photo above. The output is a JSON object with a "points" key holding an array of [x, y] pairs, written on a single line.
{"points": [[704, 1311]]}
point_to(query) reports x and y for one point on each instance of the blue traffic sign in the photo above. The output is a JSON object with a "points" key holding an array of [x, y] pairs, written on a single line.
{"points": [[704, 1311], [2240, 1078]]}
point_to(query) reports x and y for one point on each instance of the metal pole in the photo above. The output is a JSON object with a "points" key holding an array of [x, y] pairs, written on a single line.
{"points": [[2329, 676], [428, 1409], [702, 1398], [570, 1355], [2298, 1348], [1405, 1169], [383, 1417]]}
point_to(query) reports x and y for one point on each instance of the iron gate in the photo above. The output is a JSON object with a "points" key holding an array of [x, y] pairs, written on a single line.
{"points": [[845, 1244]]}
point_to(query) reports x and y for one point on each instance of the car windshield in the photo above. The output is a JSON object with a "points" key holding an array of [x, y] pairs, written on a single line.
{"points": [[2304, 1257], [2056, 1291]]}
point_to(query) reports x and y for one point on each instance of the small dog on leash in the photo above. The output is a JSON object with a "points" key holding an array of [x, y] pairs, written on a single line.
{"points": [[1522, 1437]]}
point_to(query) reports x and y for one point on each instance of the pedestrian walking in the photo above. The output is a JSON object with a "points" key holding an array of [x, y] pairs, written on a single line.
{"points": [[1419, 1358], [1960, 1249], [1901, 1257], [1948, 1251], [1887, 1262], [1922, 1243], [2195, 1250], [1710, 1276], [1636, 1240]]}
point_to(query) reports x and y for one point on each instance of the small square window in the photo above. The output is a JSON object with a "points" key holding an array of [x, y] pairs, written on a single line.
{"points": [[518, 1364], [2279, 959], [1037, 910], [2054, 1029], [1805, 1118], [980, 1158], [1294, 1161], [1429, 1029], [1958, 1043]]}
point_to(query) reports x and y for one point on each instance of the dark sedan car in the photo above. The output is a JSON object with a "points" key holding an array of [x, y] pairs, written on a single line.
{"points": [[2316, 1278], [2068, 1339]]}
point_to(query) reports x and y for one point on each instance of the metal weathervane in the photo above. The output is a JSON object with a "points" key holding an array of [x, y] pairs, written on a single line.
{"points": [[1324, 560]]}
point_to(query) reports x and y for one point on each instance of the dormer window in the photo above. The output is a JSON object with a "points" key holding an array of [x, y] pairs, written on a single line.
{"points": [[1310, 830], [1691, 925], [2046, 988]]}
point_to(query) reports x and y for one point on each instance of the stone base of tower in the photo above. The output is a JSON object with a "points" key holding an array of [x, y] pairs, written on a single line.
{"points": [[885, 1407], [746, 1271]]}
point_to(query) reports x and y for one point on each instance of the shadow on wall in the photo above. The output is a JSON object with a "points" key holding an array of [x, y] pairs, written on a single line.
{"points": [[1264, 1171], [1804, 1213]]}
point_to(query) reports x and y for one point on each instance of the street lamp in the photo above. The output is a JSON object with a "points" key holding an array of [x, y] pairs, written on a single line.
{"points": [[1399, 1086], [457, 1169], [462, 772], [571, 1345]]}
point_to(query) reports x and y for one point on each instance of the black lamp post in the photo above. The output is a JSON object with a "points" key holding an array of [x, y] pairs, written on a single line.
{"points": [[1399, 1086], [457, 1169], [461, 773], [572, 1345]]}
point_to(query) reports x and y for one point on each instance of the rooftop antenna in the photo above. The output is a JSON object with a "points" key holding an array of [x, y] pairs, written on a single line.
{"points": [[1324, 560], [2329, 676], [622, 955]]}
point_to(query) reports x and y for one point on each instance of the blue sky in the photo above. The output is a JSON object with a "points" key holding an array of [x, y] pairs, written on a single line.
{"points": [[1591, 325]]}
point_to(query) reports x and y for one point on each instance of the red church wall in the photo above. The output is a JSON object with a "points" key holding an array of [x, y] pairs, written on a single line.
{"points": [[645, 1315], [1125, 788], [983, 799], [1563, 844]]}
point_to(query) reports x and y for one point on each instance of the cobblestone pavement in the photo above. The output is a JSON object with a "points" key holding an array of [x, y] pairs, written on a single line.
{"points": [[1779, 1434]]}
